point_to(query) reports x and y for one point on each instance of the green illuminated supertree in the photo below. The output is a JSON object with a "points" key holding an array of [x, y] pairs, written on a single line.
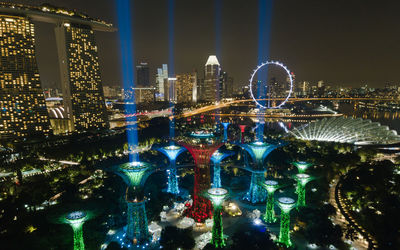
{"points": [[271, 186], [302, 166], [302, 180], [134, 174], [217, 196], [286, 204], [76, 220]]}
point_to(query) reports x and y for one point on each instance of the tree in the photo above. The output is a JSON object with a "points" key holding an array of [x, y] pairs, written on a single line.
{"points": [[251, 237], [173, 238]]}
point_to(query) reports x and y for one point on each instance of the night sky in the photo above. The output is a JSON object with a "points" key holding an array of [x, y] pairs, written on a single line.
{"points": [[343, 42]]}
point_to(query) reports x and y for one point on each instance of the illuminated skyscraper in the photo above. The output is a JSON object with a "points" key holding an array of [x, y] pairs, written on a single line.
{"points": [[186, 87], [22, 106], [162, 75], [80, 76], [142, 75], [226, 85], [211, 90]]}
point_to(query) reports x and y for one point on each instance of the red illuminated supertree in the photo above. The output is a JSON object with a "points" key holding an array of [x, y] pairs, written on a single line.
{"points": [[201, 146], [242, 128]]}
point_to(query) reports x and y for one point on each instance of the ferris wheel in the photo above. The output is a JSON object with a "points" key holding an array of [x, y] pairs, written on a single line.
{"points": [[290, 77]]}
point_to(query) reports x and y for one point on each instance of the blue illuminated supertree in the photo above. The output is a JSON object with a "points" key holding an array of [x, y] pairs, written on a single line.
{"points": [[225, 124], [135, 174], [258, 152], [216, 158], [172, 152]]}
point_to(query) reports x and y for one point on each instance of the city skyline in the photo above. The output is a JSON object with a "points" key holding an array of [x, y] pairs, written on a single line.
{"points": [[317, 45]]}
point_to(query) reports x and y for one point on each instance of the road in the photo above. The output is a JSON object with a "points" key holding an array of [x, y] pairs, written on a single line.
{"points": [[229, 103]]}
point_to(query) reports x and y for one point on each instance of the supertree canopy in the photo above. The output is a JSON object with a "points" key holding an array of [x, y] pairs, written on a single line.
{"points": [[347, 130], [271, 186], [286, 204], [225, 124], [172, 152], [258, 152], [217, 196], [201, 145], [302, 180], [302, 166], [216, 158], [134, 174], [75, 220]]}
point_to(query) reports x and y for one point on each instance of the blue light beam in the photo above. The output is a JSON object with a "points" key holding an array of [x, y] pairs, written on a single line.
{"points": [[126, 45], [264, 35]]}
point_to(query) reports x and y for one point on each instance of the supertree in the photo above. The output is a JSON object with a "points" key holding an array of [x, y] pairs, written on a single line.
{"points": [[302, 180], [286, 205], [201, 145], [217, 196], [216, 158], [271, 186], [76, 220], [302, 166], [242, 129], [225, 124], [172, 152], [258, 152], [135, 174]]}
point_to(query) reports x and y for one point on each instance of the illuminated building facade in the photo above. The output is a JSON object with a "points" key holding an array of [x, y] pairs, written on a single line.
{"points": [[186, 87], [23, 109], [144, 94], [211, 90], [143, 75], [80, 76], [170, 89], [162, 76]]}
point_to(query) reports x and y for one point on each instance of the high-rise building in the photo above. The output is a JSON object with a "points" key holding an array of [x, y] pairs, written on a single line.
{"points": [[162, 76], [143, 75], [304, 88], [226, 85], [211, 90], [80, 76], [144, 94], [23, 109], [186, 87], [170, 89]]}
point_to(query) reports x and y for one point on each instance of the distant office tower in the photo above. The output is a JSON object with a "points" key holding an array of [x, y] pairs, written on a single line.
{"points": [[144, 94], [23, 109], [162, 76], [226, 85], [143, 75], [186, 87], [170, 89], [80, 76], [304, 88], [211, 88]]}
